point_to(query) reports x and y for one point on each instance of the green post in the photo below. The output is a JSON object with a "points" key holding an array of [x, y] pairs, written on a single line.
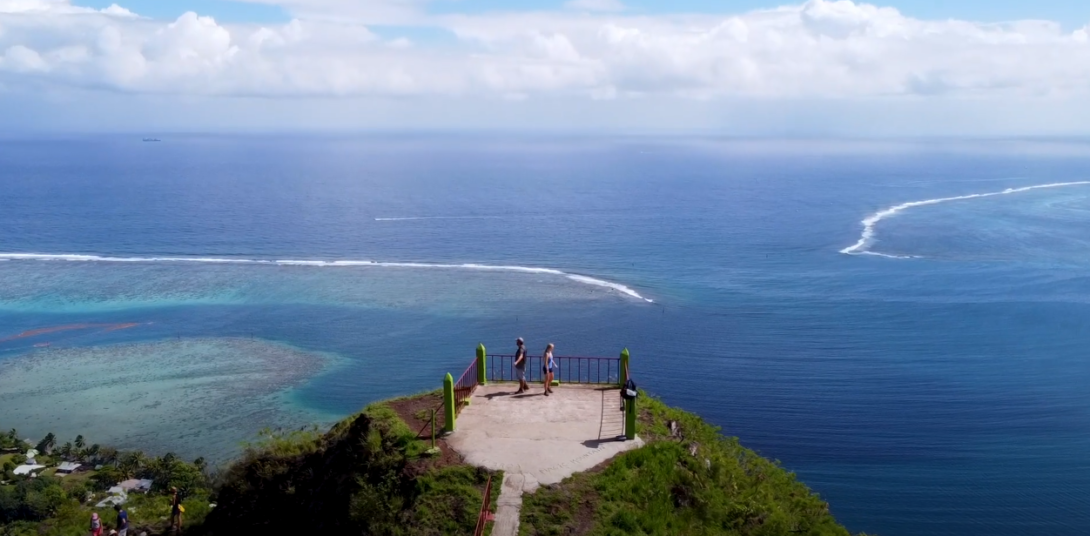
{"points": [[448, 401], [629, 405], [624, 366], [482, 356], [433, 428], [630, 419]]}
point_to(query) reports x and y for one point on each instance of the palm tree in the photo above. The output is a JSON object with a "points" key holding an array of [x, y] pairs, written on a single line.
{"points": [[200, 464], [106, 455], [79, 442], [45, 446], [93, 451], [66, 450], [132, 463]]}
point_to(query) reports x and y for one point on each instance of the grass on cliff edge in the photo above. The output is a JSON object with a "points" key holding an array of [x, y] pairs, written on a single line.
{"points": [[662, 489]]}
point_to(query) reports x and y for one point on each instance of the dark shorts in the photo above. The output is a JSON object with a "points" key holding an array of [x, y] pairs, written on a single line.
{"points": [[546, 370]]}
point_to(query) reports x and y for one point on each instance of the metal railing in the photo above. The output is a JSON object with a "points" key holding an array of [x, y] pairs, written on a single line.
{"points": [[464, 387], [569, 369], [485, 515]]}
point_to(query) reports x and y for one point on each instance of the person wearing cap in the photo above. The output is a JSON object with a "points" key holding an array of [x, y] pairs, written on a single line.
{"points": [[122, 521], [520, 366]]}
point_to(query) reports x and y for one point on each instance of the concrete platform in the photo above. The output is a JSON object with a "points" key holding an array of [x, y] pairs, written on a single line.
{"points": [[538, 440]]}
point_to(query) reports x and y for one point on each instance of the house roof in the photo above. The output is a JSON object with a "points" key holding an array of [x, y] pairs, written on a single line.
{"points": [[27, 469], [68, 466], [133, 483]]}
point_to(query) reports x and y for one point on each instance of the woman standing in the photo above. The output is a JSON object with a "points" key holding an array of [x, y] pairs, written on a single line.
{"points": [[548, 367]]}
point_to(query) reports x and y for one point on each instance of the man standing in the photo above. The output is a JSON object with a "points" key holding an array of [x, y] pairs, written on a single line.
{"points": [[176, 510], [520, 366], [122, 521]]}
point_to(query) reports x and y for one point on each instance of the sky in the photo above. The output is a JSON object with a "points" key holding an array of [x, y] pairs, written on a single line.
{"points": [[741, 67]]}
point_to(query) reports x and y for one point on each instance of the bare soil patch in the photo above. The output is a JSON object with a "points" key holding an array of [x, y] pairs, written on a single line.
{"points": [[416, 412]]}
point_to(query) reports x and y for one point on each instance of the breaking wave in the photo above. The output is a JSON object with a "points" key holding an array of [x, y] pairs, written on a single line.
{"points": [[411, 218], [862, 247], [320, 263]]}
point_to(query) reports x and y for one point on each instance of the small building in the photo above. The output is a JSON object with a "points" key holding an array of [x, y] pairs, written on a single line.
{"points": [[117, 496], [67, 468], [27, 469], [135, 485]]}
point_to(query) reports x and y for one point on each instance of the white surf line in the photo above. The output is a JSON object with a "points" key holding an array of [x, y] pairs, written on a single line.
{"points": [[870, 222], [586, 280], [411, 218]]}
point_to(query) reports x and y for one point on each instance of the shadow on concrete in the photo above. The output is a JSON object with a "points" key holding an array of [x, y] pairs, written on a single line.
{"points": [[595, 443]]}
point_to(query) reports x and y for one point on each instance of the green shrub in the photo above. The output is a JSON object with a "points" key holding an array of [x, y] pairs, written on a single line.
{"points": [[663, 489]]}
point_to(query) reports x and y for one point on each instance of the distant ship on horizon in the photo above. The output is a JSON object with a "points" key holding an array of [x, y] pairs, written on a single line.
{"points": [[152, 139]]}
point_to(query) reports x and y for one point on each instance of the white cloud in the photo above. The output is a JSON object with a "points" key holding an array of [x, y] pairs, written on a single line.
{"points": [[23, 60], [817, 50], [595, 5]]}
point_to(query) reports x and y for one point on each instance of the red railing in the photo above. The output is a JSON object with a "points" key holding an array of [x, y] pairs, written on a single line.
{"points": [[569, 369], [464, 387], [486, 515]]}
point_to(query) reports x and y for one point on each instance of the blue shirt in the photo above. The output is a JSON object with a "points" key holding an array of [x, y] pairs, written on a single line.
{"points": [[521, 352], [122, 520]]}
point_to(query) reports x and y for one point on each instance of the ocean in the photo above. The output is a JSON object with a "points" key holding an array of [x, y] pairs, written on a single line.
{"points": [[903, 324]]}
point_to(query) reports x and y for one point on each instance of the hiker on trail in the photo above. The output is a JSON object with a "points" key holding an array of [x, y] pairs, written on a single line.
{"points": [[548, 367], [520, 366], [176, 510], [122, 521], [96, 525]]}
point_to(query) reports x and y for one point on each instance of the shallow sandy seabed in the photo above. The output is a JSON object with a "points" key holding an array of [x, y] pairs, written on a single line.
{"points": [[194, 397]]}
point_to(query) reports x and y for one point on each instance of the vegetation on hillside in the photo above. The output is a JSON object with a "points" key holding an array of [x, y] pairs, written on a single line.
{"points": [[368, 475], [689, 480], [51, 505]]}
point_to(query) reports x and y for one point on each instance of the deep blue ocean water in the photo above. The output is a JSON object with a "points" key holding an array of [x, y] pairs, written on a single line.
{"points": [[941, 389]]}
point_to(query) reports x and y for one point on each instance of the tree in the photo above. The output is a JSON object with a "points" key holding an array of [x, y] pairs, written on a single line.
{"points": [[66, 450], [200, 464], [106, 455], [44, 503], [45, 446], [107, 477], [93, 452], [132, 463]]}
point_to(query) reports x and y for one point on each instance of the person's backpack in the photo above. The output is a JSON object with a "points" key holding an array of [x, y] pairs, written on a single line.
{"points": [[629, 391]]}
